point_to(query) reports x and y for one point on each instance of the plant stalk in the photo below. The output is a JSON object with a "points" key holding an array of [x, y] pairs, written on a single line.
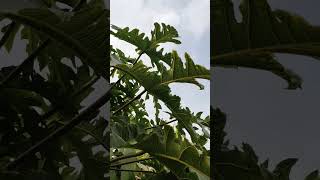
{"points": [[63, 129]]}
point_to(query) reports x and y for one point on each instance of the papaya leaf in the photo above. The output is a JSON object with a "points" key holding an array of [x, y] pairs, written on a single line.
{"points": [[284, 167], [313, 176], [157, 85], [262, 32], [10, 32], [160, 34], [86, 43], [175, 152]]}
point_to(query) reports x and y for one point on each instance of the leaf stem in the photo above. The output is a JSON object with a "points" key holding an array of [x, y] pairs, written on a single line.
{"points": [[118, 81], [63, 129], [287, 48], [129, 102], [233, 165], [90, 133], [130, 170], [127, 156], [130, 162], [161, 124]]}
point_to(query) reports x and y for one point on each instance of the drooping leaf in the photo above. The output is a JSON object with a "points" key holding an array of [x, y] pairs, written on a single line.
{"points": [[313, 176], [284, 167], [262, 32], [8, 38]]}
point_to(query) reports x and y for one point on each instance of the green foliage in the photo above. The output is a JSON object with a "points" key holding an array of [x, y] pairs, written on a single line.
{"points": [[252, 43], [66, 57], [262, 32], [75, 33], [175, 152], [243, 163], [149, 45], [160, 147]]}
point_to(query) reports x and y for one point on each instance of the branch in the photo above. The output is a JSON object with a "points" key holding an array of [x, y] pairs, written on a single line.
{"points": [[63, 129]]}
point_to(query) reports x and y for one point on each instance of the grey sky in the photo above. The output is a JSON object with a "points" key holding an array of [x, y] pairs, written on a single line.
{"points": [[193, 30], [278, 123]]}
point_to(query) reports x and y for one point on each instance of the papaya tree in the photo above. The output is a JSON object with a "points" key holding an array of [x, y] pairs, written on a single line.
{"points": [[147, 147], [47, 129], [252, 43]]}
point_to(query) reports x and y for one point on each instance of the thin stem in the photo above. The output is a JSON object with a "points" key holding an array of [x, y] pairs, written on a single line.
{"points": [[86, 86], [129, 102], [161, 124], [129, 170], [118, 81], [127, 156], [233, 165], [130, 162], [63, 129], [286, 48]]}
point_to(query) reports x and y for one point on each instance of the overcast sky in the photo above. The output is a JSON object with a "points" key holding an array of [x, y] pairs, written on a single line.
{"points": [[278, 123], [190, 18]]}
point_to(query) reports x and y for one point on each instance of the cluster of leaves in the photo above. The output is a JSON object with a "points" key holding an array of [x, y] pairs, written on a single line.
{"points": [[152, 148], [252, 43], [45, 127]]}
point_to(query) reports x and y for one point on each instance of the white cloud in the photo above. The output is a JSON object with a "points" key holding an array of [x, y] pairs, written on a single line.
{"points": [[191, 16], [170, 17], [197, 17]]}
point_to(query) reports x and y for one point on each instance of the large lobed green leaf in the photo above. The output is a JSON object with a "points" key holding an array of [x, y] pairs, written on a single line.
{"points": [[170, 148], [262, 32], [161, 34], [156, 84], [84, 32]]}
